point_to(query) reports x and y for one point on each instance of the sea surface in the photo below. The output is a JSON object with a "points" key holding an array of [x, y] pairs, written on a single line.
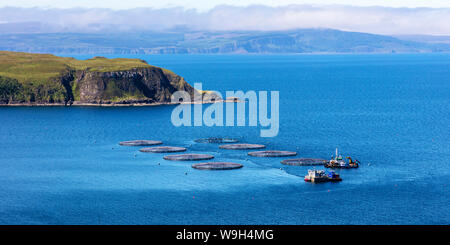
{"points": [[63, 165]]}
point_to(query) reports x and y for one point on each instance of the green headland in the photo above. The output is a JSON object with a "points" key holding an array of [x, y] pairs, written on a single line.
{"points": [[33, 79]]}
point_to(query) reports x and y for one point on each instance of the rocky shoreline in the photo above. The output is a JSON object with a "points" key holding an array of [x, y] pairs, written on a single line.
{"points": [[114, 104]]}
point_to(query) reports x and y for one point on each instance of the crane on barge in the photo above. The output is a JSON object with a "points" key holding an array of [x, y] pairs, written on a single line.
{"points": [[339, 162]]}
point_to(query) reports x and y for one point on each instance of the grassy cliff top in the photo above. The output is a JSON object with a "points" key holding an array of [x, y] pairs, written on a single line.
{"points": [[42, 67]]}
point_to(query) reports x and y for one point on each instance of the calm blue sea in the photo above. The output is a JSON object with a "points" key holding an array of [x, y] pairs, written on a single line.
{"points": [[63, 165]]}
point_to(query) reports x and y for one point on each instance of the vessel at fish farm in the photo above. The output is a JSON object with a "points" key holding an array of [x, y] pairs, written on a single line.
{"points": [[319, 176], [333, 176], [338, 161]]}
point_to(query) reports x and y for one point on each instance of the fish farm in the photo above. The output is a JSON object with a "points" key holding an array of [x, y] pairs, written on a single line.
{"points": [[338, 161]]}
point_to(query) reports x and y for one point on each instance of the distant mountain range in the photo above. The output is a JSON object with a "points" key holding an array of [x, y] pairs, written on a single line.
{"points": [[215, 42], [425, 38]]}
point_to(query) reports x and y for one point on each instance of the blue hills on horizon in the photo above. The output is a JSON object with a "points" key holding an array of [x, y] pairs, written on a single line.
{"points": [[216, 42]]}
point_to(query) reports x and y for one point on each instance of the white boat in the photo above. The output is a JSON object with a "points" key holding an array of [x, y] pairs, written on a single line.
{"points": [[316, 176]]}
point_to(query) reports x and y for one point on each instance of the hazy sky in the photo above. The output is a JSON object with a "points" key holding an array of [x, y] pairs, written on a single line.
{"points": [[387, 17], [208, 4]]}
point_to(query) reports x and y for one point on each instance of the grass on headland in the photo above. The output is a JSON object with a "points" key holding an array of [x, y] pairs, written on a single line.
{"points": [[43, 67], [31, 77]]}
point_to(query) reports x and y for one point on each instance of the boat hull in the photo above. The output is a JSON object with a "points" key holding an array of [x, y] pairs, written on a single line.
{"points": [[335, 179], [317, 180]]}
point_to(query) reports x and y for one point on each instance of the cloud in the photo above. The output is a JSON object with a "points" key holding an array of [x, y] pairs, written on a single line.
{"points": [[380, 20]]}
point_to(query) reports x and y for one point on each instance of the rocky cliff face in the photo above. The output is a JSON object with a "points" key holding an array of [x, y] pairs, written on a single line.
{"points": [[144, 85], [137, 85]]}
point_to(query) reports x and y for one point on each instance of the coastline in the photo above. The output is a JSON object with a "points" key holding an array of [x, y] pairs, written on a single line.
{"points": [[112, 104]]}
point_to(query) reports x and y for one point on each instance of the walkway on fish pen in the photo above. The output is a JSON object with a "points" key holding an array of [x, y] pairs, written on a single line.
{"points": [[188, 157], [216, 140], [163, 149], [304, 162], [217, 166], [242, 146], [272, 153], [140, 143]]}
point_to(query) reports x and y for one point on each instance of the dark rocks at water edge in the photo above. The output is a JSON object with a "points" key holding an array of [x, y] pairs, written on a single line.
{"points": [[217, 166], [188, 157], [163, 149], [216, 140], [304, 162], [242, 146], [272, 153], [140, 143]]}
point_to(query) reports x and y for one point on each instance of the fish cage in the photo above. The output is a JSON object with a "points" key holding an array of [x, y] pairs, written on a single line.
{"points": [[304, 162], [140, 143], [217, 166], [242, 146], [272, 153], [162, 149], [216, 140], [188, 157]]}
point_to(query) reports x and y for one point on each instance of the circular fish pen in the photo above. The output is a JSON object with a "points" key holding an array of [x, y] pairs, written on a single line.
{"points": [[216, 140], [304, 162], [188, 157], [162, 149], [242, 146], [140, 143], [217, 166], [272, 153]]}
